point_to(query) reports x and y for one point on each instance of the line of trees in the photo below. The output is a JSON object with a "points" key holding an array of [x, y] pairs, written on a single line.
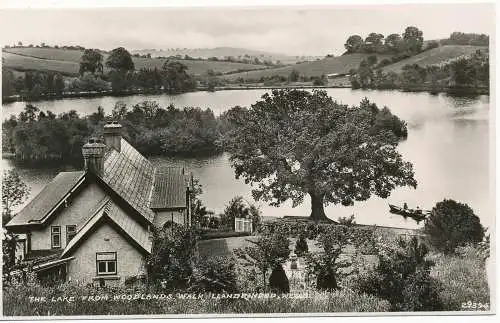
{"points": [[465, 71], [32, 84], [36, 135], [172, 78], [410, 42]]}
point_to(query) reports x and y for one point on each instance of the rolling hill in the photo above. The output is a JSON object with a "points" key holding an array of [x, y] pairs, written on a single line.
{"points": [[435, 56], [340, 64], [67, 61], [221, 52]]}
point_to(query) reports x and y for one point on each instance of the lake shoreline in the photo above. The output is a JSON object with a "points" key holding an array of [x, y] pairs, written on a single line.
{"points": [[93, 94]]}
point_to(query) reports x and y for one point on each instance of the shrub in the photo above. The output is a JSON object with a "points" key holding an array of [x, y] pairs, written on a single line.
{"points": [[463, 278], [278, 281], [171, 260], [215, 275], [301, 246], [452, 224], [402, 276], [346, 220]]}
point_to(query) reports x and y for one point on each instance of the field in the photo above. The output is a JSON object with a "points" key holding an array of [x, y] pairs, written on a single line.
{"points": [[340, 64], [67, 61], [437, 55]]}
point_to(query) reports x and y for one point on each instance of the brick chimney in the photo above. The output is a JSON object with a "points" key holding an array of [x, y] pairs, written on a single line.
{"points": [[93, 155], [113, 135]]}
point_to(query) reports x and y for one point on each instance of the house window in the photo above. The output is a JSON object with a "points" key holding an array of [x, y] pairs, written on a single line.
{"points": [[106, 263], [70, 232], [55, 237]]}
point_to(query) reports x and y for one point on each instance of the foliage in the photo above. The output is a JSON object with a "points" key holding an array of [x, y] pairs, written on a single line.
{"points": [[120, 59], [269, 251], [413, 39], [329, 266], [91, 61], [402, 276], [463, 278], [410, 41], [319, 81], [175, 78], [353, 44], [458, 38], [293, 143], [301, 246], [238, 208], [214, 275], [452, 224], [172, 259], [41, 135], [294, 76], [278, 281], [89, 82], [347, 220], [463, 71], [14, 193]]}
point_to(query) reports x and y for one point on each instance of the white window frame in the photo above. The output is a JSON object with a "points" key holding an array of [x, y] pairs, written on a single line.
{"points": [[106, 258], [53, 234]]}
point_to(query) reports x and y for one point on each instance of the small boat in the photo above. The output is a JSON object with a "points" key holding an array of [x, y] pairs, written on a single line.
{"points": [[417, 214]]}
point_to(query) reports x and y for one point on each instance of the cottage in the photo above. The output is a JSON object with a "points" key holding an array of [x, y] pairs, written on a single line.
{"points": [[95, 225]]}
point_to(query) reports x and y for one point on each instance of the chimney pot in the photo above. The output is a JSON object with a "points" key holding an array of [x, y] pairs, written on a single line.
{"points": [[113, 135], [93, 156]]}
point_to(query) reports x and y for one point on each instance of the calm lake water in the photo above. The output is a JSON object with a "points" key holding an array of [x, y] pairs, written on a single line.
{"points": [[448, 144]]}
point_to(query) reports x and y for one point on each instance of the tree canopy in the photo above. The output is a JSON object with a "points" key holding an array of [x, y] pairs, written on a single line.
{"points": [[91, 61], [120, 59], [292, 143]]}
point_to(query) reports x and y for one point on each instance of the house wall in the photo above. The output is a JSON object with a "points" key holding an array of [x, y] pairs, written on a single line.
{"points": [[82, 269], [162, 217], [76, 213]]}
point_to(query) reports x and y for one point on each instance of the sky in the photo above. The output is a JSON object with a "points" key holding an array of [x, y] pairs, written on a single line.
{"points": [[290, 30]]}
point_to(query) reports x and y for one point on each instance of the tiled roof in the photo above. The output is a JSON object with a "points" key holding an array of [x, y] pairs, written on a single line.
{"points": [[139, 233], [43, 203], [130, 175], [169, 188], [129, 227]]}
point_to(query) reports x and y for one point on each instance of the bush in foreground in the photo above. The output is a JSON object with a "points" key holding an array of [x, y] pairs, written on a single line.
{"points": [[463, 279], [402, 276], [16, 303], [453, 224]]}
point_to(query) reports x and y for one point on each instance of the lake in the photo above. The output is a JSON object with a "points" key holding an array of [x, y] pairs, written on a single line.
{"points": [[448, 143]]}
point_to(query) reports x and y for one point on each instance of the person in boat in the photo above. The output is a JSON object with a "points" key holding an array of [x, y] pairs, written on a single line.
{"points": [[405, 206], [418, 210]]}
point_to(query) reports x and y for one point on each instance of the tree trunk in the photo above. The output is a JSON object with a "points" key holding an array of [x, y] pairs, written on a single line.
{"points": [[317, 209]]}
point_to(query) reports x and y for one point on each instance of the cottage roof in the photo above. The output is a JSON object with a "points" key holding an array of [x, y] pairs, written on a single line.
{"points": [[43, 204], [131, 176], [126, 225], [169, 188], [126, 172]]}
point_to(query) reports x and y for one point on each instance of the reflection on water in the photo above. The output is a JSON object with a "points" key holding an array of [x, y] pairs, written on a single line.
{"points": [[448, 144]]}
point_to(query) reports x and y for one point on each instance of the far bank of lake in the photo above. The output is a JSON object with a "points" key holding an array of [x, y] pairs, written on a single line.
{"points": [[448, 143]]}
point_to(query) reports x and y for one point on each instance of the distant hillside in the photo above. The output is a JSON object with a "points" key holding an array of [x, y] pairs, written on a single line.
{"points": [[434, 56], [342, 64], [67, 61], [330, 65], [221, 52]]}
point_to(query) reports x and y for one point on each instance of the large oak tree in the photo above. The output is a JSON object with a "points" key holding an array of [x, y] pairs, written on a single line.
{"points": [[292, 143]]}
